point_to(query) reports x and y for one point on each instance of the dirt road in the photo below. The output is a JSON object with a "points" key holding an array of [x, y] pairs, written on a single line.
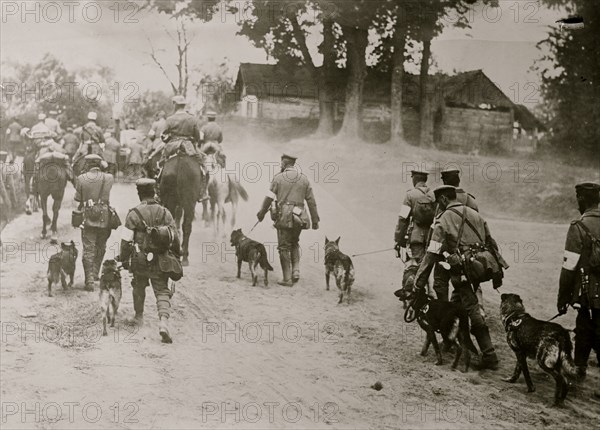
{"points": [[254, 357]]}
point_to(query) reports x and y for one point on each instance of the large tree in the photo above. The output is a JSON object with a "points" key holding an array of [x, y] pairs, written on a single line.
{"points": [[282, 28], [570, 75]]}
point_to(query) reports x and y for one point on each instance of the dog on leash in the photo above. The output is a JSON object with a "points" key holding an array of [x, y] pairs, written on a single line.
{"points": [[110, 293], [252, 252], [341, 266], [447, 318], [62, 264], [549, 343]]}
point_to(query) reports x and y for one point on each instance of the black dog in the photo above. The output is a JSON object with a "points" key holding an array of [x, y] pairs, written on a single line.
{"points": [[253, 252], [447, 318], [62, 264], [549, 343]]}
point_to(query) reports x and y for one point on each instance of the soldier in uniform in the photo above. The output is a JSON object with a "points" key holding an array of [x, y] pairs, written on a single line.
{"points": [[144, 266], [182, 132], [410, 234], [444, 239], [212, 135], [91, 137], [290, 188], [40, 128], [93, 186], [70, 142], [579, 284], [158, 128], [441, 277], [52, 123], [13, 135]]}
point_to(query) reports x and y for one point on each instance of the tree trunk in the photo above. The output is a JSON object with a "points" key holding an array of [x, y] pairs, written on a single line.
{"points": [[356, 45], [397, 129], [326, 93], [425, 120]]}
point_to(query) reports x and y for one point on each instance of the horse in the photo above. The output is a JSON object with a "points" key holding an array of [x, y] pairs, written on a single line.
{"points": [[32, 202], [179, 188], [222, 188], [150, 167], [50, 179]]}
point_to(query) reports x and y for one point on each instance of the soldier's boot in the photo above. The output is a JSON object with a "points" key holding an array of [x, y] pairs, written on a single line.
{"points": [[295, 264], [139, 297], [286, 267], [163, 329], [489, 359], [88, 270], [580, 373]]}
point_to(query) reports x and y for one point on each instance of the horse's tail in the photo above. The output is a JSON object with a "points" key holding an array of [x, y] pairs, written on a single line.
{"points": [[236, 187]]}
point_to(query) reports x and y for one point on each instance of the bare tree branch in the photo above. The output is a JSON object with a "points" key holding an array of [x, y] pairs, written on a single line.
{"points": [[154, 58]]}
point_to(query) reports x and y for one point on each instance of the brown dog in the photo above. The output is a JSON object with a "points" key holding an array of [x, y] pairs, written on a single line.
{"points": [[62, 264], [253, 252], [549, 343], [110, 293]]}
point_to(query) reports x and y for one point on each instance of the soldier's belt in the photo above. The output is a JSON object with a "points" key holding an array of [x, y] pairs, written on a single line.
{"points": [[292, 203]]}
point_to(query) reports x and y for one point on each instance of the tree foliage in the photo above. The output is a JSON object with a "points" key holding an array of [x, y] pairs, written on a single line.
{"points": [[570, 75], [49, 85]]}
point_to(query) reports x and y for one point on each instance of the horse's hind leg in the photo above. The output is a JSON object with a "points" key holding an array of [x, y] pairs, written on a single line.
{"points": [[57, 202], [45, 218], [188, 218]]}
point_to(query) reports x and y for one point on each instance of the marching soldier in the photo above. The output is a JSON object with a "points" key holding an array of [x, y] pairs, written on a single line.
{"points": [[445, 239], [145, 266], [441, 277], [414, 222], [579, 284], [93, 188], [40, 129], [212, 135], [290, 189]]}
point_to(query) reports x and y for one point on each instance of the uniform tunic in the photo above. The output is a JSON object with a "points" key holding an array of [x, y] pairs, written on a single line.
{"points": [[290, 189], [418, 235], [144, 273], [89, 186], [576, 257]]}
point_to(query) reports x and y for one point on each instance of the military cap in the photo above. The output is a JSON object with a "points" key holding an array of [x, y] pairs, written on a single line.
{"points": [[587, 186], [145, 182], [450, 171], [211, 114], [179, 100], [53, 112], [443, 188], [69, 128], [93, 116], [418, 172], [289, 157], [42, 116], [93, 157]]}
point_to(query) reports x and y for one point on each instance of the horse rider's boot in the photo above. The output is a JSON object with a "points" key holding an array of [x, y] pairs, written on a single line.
{"points": [[88, 269], [285, 259], [163, 329], [489, 359], [295, 263]]}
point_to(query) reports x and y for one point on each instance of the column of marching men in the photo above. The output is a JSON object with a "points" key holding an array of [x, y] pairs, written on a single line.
{"points": [[439, 231]]}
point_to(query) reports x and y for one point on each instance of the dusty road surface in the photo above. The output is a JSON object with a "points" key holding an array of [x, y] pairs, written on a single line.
{"points": [[255, 357]]}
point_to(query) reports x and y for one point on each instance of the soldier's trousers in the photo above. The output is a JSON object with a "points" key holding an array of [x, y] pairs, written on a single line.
{"points": [[472, 302], [441, 280], [94, 247], [160, 285], [587, 335], [289, 249]]}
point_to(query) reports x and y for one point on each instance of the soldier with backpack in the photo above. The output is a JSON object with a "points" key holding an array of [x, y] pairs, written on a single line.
{"points": [[416, 216], [150, 250], [579, 284]]}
